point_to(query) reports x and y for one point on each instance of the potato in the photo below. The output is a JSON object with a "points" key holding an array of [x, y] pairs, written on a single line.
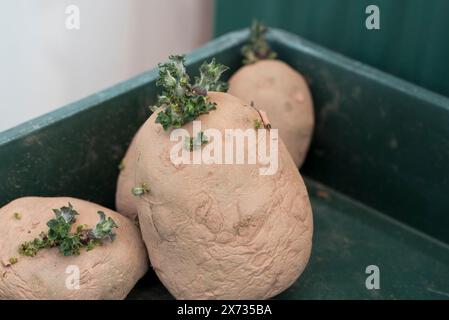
{"points": [[216, 231], [106, 272], [283, 94], [124, 199]]}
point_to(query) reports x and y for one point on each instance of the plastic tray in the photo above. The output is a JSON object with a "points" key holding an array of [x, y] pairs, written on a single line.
{"points": [[377, 171]]}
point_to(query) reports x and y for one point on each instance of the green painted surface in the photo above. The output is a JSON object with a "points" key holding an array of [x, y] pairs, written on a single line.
{"points": [[412, 42], [367, 145], [377, 139], [349, 236]]}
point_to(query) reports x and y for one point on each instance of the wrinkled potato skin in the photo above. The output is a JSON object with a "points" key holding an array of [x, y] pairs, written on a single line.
{"points": [[222, 231], [283, 94], [124, 199], [106, 272]]}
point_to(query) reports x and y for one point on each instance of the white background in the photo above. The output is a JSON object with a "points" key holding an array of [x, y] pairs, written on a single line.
{"points": [[45, 66]]}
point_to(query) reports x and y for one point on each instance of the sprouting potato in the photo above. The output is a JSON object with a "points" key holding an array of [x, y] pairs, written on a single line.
{"points": [[279, 90], [214, 231], [104, 261], [221, 231]]}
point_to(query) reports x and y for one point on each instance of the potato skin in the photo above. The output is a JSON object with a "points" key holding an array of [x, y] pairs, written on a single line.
{"points": [[222, 231], [124, 199], [283, 94], [106, 272]]}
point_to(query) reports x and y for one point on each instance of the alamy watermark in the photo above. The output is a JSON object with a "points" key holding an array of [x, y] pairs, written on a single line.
{"points": [[372, 282], [72, 21], [372, 22], [261, 147], [72, 281]]}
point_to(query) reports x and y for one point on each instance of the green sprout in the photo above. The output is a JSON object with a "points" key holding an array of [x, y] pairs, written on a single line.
{"points": [[59, 234], [193, 143], [183, 101], [13, 260], [209, 78], [92, 244], [70, 245], [257, 47], [58, 229], [103, 228], [258, 124], [121, 166], [67, 213], [17, 216], [31, 248], [140, 190]]}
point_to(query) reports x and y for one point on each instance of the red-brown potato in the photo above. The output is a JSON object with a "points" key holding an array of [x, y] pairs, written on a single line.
{"points": [[283, 94], [108, 271], [221, 231]]}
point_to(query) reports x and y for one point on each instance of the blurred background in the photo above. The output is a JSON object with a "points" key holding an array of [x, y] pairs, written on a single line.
{"points": [[45, 65]]}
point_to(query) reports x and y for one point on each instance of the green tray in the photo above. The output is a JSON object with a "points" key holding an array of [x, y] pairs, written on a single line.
{"points": [[377, 171], [409, 44]]}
